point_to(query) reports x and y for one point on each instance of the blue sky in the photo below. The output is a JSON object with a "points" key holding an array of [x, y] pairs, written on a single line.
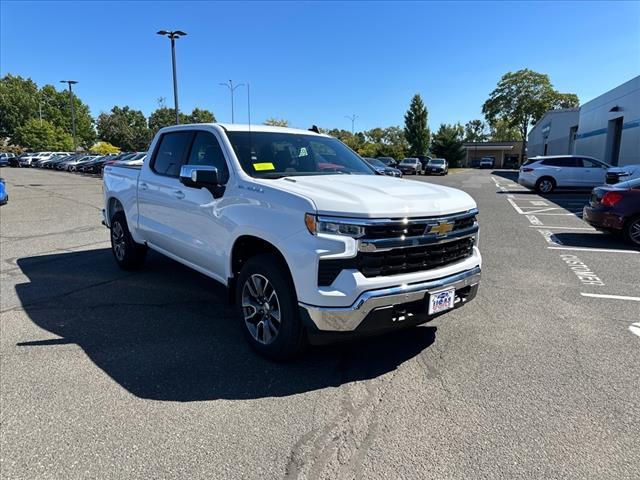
{"points": [[314, 63]]}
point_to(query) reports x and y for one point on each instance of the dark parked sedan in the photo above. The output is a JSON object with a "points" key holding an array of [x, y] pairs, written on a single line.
{"points": [[616, 208], [381, 168]]}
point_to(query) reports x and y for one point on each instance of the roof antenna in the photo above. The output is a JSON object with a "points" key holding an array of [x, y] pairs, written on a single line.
{"points": [[314, 128]]}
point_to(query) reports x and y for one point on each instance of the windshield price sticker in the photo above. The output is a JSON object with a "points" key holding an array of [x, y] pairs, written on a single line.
{"points": [[261, 167]]}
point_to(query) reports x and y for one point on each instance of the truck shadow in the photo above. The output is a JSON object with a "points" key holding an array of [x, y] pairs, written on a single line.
{"points": [[167, 332]]}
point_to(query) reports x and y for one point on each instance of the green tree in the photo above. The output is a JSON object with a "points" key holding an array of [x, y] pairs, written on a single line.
{"points": [[521, 98], [385, 142], [104, 148], [276, 122], [502, 132], [165, 117], [200, 115], [416, 129], [43, 135], [447, 143], [124, 128], [56, 109], [475, 131], [18, 103]]}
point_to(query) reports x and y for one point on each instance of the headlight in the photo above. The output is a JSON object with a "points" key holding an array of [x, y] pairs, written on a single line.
{"points": [[332, 226]]}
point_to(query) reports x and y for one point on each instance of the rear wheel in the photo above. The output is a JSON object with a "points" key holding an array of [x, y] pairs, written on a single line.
{"points": [[632, 231], [269, 308], [129, 255], [545, 185]]}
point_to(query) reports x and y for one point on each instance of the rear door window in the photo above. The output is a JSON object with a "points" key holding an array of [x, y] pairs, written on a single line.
{"points": [[170, 153], [562, 162]]}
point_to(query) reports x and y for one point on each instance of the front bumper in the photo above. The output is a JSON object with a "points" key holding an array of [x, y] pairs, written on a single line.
{"points": [[388, 308]]}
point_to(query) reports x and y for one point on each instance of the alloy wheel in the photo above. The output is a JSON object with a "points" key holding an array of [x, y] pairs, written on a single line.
{"points": [[117, 239], [546, 186], [261, 309], [634, 231]]}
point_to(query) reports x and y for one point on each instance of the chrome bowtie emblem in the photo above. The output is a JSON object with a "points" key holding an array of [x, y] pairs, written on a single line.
{"points": [[441, 229]]}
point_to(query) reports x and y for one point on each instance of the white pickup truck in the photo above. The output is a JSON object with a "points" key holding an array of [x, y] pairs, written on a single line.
{"points": [[311, 243]]}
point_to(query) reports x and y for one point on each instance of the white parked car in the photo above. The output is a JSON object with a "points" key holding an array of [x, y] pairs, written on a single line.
{"points": [[545, 174], [310, 242]]}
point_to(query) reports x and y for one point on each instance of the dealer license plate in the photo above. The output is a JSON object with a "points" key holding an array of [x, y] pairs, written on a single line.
{"points": [[441, 301]]}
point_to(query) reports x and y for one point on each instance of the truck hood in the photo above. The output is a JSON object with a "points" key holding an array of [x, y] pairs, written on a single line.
{"points": [[375, 196]]}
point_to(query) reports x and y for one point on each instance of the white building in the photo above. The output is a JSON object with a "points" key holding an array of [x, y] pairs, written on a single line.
{"points": [[554, 133], [606, 128], [609, 126]]}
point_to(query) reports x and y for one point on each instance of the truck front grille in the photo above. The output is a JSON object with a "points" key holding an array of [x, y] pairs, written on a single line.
{"points": [[397, 261], [413, 229]]}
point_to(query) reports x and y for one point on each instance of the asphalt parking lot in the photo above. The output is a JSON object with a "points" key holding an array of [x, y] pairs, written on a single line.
{"points": [[109, 374]]}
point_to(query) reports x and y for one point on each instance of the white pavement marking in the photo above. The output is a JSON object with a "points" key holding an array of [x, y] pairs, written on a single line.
{"points": [[608, 250], [612, 297], [550, 237], [515, 206], [534, 220], [511, 196], [539, 203], [635, 329], [566, 228]]}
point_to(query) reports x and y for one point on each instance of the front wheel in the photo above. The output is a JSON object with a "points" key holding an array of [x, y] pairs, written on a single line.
{"points": [[268, 306], [129, 255]]}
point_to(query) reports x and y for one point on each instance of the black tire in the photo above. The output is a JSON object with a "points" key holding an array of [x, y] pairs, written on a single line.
{"points": [[128, 254], [272, 338], [632, 231], [545, 185]]}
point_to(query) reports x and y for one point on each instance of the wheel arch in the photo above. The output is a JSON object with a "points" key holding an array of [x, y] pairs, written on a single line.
{"points": [[114, 205], [244, 248]]}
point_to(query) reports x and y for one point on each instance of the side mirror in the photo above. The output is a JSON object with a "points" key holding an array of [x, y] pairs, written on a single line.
{"points": [[199, 176]]}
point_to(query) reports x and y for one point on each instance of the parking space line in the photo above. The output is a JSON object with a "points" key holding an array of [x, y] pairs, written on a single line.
{"points": [[608, 250], [515, 206], [635, 329], [612, 297], [566, 228]]}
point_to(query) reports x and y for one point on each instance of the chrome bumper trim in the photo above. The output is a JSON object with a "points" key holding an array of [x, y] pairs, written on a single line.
{"points": [[345, 319]]}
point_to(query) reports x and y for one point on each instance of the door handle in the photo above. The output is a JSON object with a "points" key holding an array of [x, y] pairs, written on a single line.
{"points": [[179, 194], [143, 186]]}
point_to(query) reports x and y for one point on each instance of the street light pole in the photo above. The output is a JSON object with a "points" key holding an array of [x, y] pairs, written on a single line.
{"points": [[353, 121], [73, 112], [172, 35], [231, 88]]}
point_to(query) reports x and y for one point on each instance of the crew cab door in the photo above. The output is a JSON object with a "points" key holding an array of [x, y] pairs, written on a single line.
{"points": [[184, 222]]}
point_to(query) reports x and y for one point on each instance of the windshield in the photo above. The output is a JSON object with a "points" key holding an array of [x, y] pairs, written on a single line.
{"points": [[436, 161], [409, 161], [376, 163], [276, 155]]}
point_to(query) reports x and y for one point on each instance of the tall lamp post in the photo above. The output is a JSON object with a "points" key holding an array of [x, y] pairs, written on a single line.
{"points": [[353, 121], [73, 112], [231, 88], [172, 35]]}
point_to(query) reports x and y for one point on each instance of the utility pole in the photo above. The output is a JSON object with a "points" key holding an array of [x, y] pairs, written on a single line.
{"points": [[353, 121], [231, 88], [73, 112], [172, 35]]}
